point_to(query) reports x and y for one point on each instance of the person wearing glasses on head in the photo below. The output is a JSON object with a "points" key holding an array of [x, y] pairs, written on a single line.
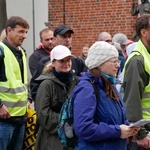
{"points": [[119, 40], [105, 36], [100, 123]]}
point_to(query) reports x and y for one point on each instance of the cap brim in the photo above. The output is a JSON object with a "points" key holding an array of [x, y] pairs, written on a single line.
{"points": [[64, 31], [64, 56]]}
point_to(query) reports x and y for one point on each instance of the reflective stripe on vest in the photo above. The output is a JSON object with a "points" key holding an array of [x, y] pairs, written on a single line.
{"points": [[141, 50], [13, 92]]}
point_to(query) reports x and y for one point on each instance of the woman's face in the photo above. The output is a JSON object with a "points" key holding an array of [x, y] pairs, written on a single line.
{"points": [[111, 66], [63, 65]]}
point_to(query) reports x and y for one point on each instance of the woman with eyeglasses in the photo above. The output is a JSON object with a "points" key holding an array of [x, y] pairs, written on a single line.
{"points": [[100, 124]]}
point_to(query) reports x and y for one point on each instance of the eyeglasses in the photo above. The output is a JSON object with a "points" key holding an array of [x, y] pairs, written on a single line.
{"points": [[115, 62], [108, 41], [122, 46]]}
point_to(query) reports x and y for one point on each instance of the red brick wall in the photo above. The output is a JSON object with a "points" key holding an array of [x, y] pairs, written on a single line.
{"points": [[88, 18]]}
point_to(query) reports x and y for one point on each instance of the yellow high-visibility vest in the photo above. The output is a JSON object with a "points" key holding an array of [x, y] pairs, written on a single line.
{"points": [[13, 93], [141, 50]]}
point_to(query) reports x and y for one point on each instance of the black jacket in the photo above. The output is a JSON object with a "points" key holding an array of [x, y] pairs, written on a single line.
{"points": [[35, 58]]}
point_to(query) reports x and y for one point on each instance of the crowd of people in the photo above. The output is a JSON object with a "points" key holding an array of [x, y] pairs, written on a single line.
{"points": [[118, 66]]}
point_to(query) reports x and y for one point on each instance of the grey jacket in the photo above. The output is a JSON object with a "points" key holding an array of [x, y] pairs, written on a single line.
{"points": [[135, 80], [49, 100]]}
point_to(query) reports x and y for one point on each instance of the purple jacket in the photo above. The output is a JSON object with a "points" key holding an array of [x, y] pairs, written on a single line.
{"points": [[97, 123]]}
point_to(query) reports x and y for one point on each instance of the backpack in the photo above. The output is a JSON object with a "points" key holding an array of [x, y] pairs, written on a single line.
{"points": [[66, 132]]}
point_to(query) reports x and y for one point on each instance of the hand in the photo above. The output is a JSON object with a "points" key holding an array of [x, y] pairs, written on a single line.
{"points": [[145, 142], [4, 113], [127, 131], [29, 104]]}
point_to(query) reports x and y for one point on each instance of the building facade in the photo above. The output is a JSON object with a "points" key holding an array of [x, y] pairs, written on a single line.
{"points": [[88, 18]]}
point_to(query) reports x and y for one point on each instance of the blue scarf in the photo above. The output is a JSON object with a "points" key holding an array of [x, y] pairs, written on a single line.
{"points": [[110, 78]]}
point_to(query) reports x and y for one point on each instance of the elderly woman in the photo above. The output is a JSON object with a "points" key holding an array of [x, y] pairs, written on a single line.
{"points": [[100, 125], [52, 93]]}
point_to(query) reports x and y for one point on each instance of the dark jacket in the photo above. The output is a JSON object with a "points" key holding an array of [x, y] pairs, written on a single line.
{"points": [[48, 103], [34, 84], [35, 58], [97, 123], [78, 66], [122, 59]]}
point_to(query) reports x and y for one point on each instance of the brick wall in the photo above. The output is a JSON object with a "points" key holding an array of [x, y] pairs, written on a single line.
{"points": [[88, 18]]}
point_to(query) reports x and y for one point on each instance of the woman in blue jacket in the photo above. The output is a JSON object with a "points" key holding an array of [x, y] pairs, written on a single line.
{"points": [[100, 124]]}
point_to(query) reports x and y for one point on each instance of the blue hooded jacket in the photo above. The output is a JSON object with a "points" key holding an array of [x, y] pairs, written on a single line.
{"points": [[96, 123]]}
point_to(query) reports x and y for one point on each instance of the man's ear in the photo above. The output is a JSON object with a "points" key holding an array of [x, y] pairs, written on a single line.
{"points": [[143, 32], [8, 29]]}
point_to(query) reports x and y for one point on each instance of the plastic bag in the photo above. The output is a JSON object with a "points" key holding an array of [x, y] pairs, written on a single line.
{"points": [[30, 138]]}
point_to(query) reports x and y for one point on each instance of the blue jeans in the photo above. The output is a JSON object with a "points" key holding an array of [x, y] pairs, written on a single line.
{"points": [[11, 136]]}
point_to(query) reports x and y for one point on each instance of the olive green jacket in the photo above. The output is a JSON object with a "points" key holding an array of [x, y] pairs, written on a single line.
{"points": [[49, 100]]}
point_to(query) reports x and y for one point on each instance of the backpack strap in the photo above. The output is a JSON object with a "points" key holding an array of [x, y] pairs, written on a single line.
{"points": [[96, 91], [60, 95]]}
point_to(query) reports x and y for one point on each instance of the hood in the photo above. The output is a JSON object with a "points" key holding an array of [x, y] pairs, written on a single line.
{"points": [[44, 76]]}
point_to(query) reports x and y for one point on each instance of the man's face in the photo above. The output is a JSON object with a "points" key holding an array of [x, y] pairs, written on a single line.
{"points": [[17, 35], [48, 40], [145, 37], [65, 39], [107, 38]]}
